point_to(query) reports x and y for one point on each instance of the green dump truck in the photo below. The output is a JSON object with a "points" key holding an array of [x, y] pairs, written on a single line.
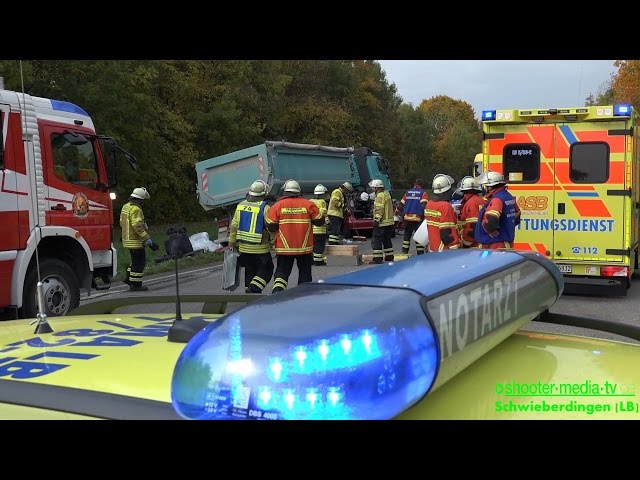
{"points": [[223, 181]]}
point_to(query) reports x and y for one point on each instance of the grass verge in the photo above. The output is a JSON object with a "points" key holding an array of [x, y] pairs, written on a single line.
{"points": [[159, 235]]}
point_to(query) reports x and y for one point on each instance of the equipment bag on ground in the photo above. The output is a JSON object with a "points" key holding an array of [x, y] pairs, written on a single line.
{"points": [[230, 270]]}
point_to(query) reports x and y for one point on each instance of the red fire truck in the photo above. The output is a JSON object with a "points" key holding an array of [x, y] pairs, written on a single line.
{"points": [[55, 176]]}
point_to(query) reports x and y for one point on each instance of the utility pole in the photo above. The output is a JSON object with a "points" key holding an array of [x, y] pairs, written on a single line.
{"points": [[1, 83]]}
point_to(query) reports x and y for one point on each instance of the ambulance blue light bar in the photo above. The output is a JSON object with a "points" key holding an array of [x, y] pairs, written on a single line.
{"points": [[622, 110], [488, 115], [364, 345]]}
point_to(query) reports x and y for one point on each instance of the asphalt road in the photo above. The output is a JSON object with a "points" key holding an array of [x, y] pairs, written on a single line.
{"points": [[208, 280]]}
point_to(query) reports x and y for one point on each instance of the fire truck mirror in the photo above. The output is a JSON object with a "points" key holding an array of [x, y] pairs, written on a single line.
{"points": [[75, 138]]}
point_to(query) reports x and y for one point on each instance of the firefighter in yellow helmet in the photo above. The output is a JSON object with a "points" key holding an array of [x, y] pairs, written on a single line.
{"points": [[135, 235], [337, 208], [320, 231], [383, 224], [249, 233]]}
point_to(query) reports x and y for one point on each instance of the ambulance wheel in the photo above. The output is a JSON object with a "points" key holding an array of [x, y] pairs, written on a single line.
{"points": [[60, 286]]}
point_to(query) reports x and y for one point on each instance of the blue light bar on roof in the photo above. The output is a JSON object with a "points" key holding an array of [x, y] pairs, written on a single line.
{"points": [[488, 115], [67, 107], [622, 110], [368, 344]]}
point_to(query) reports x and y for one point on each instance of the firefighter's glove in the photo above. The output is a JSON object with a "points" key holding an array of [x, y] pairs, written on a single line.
{"points": [[153, 246]]}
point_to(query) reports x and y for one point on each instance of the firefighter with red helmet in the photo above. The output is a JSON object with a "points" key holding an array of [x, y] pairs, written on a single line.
{"points": [[293, 217], [470, 207], [442, 222], [500, 214]]}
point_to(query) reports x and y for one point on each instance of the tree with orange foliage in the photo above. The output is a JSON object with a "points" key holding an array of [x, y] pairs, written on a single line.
{"points": [[626, 83]]}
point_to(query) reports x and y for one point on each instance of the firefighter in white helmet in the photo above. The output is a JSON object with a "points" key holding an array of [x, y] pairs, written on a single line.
{"points": [[500, 214], [135, 235], [320, 231], [249, 232], [470, 207], [383, 224], [336, 211], [442, 222], [293, 217]]}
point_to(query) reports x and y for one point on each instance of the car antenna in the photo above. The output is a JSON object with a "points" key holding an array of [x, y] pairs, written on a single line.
{"points": [[182, 330], [42, 325]]}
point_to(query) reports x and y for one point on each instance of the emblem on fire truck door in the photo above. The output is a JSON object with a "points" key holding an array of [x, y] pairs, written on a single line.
{"points": [[80, 205]]}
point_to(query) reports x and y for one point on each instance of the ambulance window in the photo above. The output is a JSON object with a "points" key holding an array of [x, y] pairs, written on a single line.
{"points": [[74, 163], [521, 162], [589, 162]]}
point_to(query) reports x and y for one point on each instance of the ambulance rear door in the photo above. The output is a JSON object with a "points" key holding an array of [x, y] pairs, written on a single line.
{"points": [[591, 188]]}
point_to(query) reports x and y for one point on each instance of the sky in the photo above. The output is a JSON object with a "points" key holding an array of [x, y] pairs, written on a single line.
{"points": [[497, 84]]}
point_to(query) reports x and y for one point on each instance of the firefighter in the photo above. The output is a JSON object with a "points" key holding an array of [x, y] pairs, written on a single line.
{"points": [[249, 232], [337, 209], [383, 224], [135, 235], [470, 207], [500, 214], [320, 232], [412, 205], [442, 223], [293, 217]]}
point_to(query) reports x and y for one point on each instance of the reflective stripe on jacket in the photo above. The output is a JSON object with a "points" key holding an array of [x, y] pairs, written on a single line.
{"points": [[134, 230], [293, 216], [383, 209], [336, 204], [248, 227], [322, 206]]}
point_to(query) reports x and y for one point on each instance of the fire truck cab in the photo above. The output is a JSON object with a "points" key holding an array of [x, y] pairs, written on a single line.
{"points": [[55, 176], [574, 173]]}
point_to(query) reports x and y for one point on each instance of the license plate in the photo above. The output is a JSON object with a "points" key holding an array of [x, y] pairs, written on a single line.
{"points": [[565, 268]]}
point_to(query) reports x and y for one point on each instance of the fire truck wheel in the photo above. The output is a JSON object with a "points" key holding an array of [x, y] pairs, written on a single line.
{"points": [[60, 286]]}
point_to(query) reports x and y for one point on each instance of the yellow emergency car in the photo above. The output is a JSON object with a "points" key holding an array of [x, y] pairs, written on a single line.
{"points": [[575, 175], [379, 343]]}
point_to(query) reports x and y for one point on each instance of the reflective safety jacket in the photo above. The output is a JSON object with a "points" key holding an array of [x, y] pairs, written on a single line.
{"points": [[134, 231], [413, 203], [500, 215], [469, 210], [441, 225], [248, 227], [383, 209], [336, 204], [322, 206], [293, 216]]}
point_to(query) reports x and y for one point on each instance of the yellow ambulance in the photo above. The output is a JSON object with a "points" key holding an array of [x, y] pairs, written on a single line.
{"points": [[574, 173]]}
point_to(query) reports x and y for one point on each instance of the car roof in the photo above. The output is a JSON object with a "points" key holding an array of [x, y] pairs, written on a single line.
{"points": [[121, 366]]}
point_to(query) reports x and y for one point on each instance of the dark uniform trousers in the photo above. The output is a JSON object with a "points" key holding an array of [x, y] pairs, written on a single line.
{"points": [[319, 240], [258, 268], [134, 271], [334, 227], [284, 267], [409, 229], [381, 243]]}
